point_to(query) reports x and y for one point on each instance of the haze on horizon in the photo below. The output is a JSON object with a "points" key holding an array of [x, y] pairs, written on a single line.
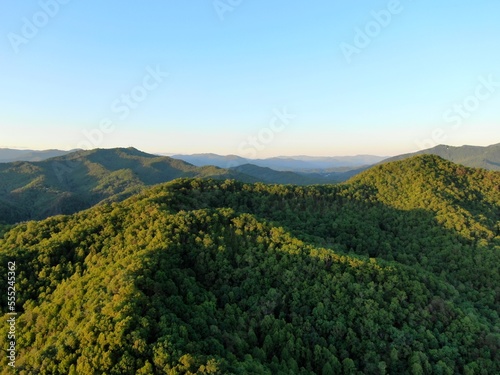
{"points": [[253, 79]]}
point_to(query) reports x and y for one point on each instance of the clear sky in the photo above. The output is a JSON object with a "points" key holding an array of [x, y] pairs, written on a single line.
{"points": [[252, 77]]}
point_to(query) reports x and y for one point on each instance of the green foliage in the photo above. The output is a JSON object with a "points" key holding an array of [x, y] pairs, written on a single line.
{"points": [[79, 180], [393, 272], [269, 175]]}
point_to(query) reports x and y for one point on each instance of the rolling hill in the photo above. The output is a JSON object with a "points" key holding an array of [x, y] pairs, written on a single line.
{"points": [[79, 180], [471, 156], [69, 183], [395, 271]]}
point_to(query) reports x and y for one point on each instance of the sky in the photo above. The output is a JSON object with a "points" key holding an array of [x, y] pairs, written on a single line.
{"points": [[254, 78]]}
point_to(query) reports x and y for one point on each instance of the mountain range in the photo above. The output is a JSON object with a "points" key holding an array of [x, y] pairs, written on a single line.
{"points": [[394, 272], [312, 169], [8, 155], [292, 163], [80, 179], [487, 157]]}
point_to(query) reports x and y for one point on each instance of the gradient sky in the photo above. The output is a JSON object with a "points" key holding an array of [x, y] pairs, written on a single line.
{"points": [[429, 73]]}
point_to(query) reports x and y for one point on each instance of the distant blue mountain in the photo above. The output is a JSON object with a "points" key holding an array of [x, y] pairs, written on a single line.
{"points": [[284, 163], [8, 155], [487, 157]]}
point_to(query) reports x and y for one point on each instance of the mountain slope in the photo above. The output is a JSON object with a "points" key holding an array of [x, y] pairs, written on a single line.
{"points": [[395, 271], [72, 182], [66, 184], [471, 156]]}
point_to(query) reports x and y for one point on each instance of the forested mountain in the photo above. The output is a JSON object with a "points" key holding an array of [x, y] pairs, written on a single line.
{"points": [[396, 271], [67, 184], [321, 170], [8, 155], [79, 180], [470, 156]]}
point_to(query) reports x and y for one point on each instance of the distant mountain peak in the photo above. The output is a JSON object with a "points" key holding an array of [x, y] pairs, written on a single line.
{"points": [[487, 157]]}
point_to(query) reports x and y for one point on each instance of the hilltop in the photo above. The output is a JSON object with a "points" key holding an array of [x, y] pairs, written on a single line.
{"points": [[395, 271], [471, 156]]}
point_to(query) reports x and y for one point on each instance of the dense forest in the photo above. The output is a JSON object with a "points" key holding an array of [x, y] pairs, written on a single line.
{"points": [[394, 272], [81, 179], [78, 180]]}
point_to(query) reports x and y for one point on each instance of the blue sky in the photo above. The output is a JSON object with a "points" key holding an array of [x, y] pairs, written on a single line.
{"points": [[255, 78]]}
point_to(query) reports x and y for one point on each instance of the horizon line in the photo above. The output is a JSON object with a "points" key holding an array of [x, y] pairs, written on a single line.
{"points": [[170, 154]]}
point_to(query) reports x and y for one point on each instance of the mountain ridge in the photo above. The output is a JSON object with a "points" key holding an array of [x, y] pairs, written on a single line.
{"points": [[473, 156], [68, 183], [8, 155], [470, 156], [282, 163], [71, 182]]}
